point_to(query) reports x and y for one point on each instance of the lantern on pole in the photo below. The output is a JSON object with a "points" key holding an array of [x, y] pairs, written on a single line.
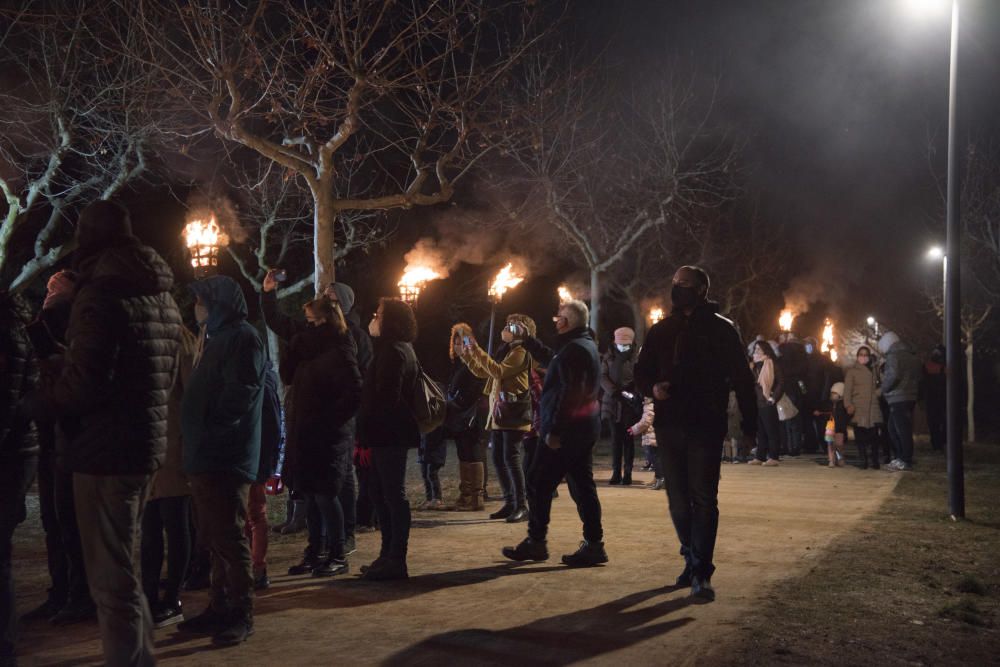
{"points": [[414, 279], [204, 239], [785, 320]]}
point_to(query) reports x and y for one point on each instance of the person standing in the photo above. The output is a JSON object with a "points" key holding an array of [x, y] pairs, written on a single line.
{"points": [[617, 376], [934, 390], [689, 363], [570, 427], [221, 422], [861, 402], [769, 388], [18, 451], [389, 429], [111, 399], [272, 440], [900, 385]]}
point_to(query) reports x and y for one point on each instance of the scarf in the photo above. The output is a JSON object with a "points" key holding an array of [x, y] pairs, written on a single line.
{"points": [[766, 376]]}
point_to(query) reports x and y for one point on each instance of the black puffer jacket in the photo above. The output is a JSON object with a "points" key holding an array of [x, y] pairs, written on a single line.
{"points": [[386, 417], [18, 376], [124, 338]]}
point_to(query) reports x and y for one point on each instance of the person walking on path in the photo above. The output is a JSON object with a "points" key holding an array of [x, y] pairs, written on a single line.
{"points": [[387, 426], [861, 402], [123, 342], [688, 364], [570, 427], [617, 377], [507, 385], [900, 386], [221, 422]]}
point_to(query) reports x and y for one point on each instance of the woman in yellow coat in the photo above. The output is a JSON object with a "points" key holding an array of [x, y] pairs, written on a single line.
{"points": [[510, 410]]}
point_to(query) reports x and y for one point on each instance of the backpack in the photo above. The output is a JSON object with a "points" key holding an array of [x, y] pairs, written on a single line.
{"points": [[428, 404]]}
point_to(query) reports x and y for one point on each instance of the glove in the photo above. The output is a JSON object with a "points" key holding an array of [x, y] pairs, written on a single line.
{"points": [[364, 457]]}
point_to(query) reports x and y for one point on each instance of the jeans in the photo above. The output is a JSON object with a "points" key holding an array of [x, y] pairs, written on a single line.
{"points": [[220, 500], [622, 450], [432, 481], [111, 511], [768, 429], [349, 498], [507, 461], [168, 515], [256, 527], [388, 493], [62, 536], [691, 468], [575, 462], [901, 430], [793, 431], [326, 523], [16, 476], [867, 439]]}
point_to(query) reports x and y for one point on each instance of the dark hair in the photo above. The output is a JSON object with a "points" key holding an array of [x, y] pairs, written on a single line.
{"points": [[766, 348], [865, 348], [329, 311], [701, 274], [398, 321]]}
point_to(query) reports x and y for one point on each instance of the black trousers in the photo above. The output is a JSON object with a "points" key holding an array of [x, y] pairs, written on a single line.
{"points": [[768, 433], [387, 483], [507, 461], [62, 534], [622, 450], [575, 462], [170, 516], [691, 466], [16, 476], [349, 499], [937, 425]]}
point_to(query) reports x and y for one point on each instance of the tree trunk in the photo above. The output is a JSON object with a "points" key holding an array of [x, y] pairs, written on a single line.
{"points": [[324, 243], [595, 300], [971, 391], [639, 318]]}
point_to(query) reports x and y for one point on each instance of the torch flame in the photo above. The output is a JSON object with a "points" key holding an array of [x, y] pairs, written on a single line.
{"points": [[506, 279], [827, 345], [413, 280], [786, 320], [564, 294], [655, 315], [203, 239]]}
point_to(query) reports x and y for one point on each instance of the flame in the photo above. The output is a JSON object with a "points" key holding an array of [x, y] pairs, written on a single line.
{"points": [[414, 279], [827, 345], [564, 294], [786, 320], [203, 240], [655, 315], [506, 279]]}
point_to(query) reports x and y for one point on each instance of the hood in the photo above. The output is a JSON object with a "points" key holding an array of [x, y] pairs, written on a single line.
{"points": [[838, 389], [225, 301], [130, 269], [886, 342]]}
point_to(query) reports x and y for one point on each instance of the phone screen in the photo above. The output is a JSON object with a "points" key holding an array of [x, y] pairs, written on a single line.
{"points": [[466, 341]]}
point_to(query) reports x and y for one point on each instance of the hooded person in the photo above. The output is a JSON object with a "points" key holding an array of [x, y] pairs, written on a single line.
{"points": [[111, 398], [221, 427], [900, 386], [617, 379]]}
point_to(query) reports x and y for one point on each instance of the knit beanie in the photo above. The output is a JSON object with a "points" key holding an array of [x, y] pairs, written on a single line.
{"points": [[59, 289], [624, 336], [345, 295], [103, 224], [838, 389]]}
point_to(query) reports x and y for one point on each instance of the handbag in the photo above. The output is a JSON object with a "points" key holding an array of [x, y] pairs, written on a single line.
{"points": [[512, 411], [786, 409]]}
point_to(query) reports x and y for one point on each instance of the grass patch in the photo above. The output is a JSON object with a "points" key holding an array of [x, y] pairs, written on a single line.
{"points": [[966, 611]]}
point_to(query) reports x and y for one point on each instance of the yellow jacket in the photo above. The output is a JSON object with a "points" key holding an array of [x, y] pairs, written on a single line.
{"points": [[509, 375]]}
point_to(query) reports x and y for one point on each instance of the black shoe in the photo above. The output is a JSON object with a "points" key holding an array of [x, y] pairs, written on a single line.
{"points": [[350, 545], [374, 564], [685, 578], [519, 515], [331, 568], [235, 630], [627, 480], [75, 612], [44, 611], [503, 512], [528, 549], [702, 589], [261, 581], [167, 613], [588, 555], [207, 622], [615, 480], [386, 569], [309, 562]]}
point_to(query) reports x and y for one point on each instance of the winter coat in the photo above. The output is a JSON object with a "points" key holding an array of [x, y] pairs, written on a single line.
{"points": [[362, 340], [123, 335], [793, 362], [901, 376], [221, 414], [933, 388], [644, 426], [861, 394], [569, 403], [617, 375], [509, 376], [821, 373], [170, 480], [463, 393], [272, 427], [777, 387], [386, 416], [320, 369], [702, 358], [18, 376]]}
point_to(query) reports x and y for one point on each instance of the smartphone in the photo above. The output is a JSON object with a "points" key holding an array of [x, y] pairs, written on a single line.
{"points": [[512, 328], [466, 341], [280, 275]]}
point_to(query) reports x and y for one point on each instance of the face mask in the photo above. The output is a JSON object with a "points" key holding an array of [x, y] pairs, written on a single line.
{"points": [[623, 348], [683, 297], [758, 356], [809, 348], [200, 314]]}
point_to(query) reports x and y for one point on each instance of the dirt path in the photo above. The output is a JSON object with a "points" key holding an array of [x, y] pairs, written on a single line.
{"points": [[465, 605]]}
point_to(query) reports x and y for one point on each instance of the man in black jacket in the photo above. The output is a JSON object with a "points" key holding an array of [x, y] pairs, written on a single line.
{"points": [[689, 363], [570, 427], [111, 399]]}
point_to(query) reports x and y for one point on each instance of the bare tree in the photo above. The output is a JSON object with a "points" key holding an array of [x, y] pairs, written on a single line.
{"points": [[73, 128], [372, 105]]}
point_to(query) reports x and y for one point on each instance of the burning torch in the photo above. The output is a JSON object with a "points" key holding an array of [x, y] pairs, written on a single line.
{"points": [[655, 315], [505, 279], [827, 345], [414, 279], [203, 240], [786, 320], [565, 295]]}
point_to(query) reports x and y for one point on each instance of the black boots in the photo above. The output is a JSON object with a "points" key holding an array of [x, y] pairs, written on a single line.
{"points": [[528, 549], [863, 454], [588, 555], [503, 512], [235, 629]]}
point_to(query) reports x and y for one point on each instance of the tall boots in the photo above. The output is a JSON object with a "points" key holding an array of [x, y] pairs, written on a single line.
{"points": [[470, 487], [863, 454]]}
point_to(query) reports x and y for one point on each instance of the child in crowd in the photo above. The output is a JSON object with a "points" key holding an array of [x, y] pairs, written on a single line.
{"points": [[836, 426], [644, 427], [431, 457]]}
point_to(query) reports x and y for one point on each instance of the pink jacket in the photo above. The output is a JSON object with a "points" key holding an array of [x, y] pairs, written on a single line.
{"points": [[644, 426]]}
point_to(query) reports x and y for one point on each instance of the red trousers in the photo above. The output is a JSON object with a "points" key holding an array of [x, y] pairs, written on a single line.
{"points": [[256, 528]]}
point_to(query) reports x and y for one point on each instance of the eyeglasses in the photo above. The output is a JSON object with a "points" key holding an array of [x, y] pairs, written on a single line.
{"points": [[558, 318]]}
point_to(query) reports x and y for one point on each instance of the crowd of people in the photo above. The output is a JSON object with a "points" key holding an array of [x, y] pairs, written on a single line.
{"points": [[151, 437]]}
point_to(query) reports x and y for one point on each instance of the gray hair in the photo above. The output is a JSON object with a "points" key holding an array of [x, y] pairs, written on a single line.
{"points": [[577, 313]]}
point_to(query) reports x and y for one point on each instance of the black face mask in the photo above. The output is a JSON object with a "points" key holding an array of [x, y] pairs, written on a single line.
{"points": [[683, 297]]}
